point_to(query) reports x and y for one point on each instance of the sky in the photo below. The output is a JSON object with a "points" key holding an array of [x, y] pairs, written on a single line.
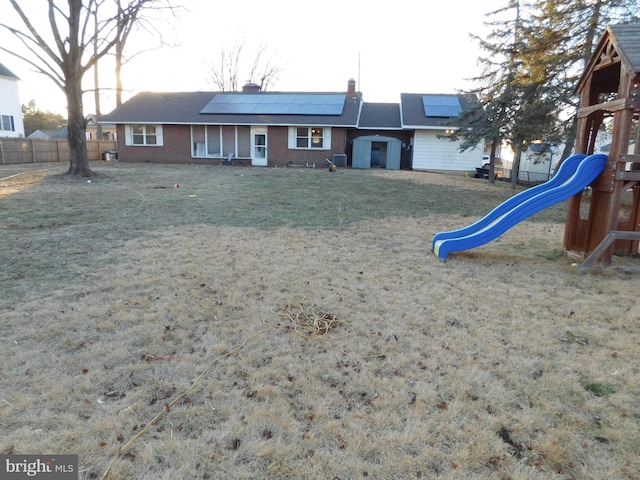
{"points": [[389, 48]]}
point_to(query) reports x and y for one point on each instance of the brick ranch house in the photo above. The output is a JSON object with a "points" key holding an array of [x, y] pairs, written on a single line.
{"points": [[279, 129]]}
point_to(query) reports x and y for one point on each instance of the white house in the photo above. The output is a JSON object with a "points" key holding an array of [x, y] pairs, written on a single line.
{"points": [[11, 124]]}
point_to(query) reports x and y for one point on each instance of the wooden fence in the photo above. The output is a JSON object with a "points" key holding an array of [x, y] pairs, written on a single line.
{"points": [[26, 150]]}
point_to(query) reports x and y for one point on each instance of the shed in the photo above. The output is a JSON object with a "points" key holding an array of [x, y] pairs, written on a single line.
{"points": [[376, 147], [376, 151]]}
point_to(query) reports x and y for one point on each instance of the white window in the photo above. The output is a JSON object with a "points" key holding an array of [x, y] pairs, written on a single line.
{"points": [[6, 123], [310, 138], [149, 135]]}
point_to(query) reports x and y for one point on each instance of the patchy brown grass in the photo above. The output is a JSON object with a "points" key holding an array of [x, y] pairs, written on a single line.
{"points": [[162, 340]]}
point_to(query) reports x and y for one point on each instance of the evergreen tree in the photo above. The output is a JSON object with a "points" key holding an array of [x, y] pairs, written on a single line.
{"points": [[535, 55], [494, 114], [35, 119], [561, 41]]}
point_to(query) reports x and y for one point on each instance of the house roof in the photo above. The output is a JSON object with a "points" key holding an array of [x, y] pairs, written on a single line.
{"points": [[380, 116], [61, 133], [188, 107], [416, 110], [5, 72], [424, 111]]}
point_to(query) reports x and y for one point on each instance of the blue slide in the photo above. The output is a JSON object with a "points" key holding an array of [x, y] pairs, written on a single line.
{"points": [[576, 173]]}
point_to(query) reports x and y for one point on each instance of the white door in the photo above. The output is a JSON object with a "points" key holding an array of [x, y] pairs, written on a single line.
{"points": [[259, 146]]}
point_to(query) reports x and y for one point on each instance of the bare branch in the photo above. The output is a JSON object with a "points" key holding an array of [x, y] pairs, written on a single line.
{"points": [[224, 77], [79, 40], [35, 38]]}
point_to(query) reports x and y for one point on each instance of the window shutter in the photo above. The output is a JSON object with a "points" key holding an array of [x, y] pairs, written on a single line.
{"points": [[159, 136], [292, 138], [128, 138], [327, 139]]}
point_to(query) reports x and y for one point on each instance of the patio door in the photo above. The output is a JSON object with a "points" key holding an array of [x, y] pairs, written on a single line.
{"points": [[259, 146]]}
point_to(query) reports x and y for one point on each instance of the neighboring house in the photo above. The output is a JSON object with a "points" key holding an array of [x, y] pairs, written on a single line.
{"points": [[108, 129], [538, 162], [11, 123], [108, 132], [291, 129], [60, 134]]}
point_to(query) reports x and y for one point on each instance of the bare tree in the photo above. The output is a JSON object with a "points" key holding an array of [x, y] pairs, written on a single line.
{"points": [[130, 17], [78, 43], [96, 76], [264, 71], [124, 29], [226, 75]]}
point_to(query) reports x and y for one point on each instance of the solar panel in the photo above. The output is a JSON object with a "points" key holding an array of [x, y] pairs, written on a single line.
{"points": [[276, 104], [441, 106]]}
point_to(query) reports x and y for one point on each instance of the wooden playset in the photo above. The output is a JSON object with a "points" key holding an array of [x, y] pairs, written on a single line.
{"points": [[602, 226]]}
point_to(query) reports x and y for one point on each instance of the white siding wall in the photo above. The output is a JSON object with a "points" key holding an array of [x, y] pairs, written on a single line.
{"points": [[432, 153], [10, 105]]}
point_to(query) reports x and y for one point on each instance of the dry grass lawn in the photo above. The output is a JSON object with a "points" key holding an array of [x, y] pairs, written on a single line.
{"points": [[291, 324]]}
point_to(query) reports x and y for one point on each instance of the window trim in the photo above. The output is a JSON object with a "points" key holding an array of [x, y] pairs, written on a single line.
{"points": [[294, 137], [129, 135], [12, 125]]}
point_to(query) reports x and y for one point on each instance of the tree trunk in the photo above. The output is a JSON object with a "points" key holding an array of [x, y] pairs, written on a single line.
{"points": [[119, 53], [76, 131], [515, 168], [492, 161], [96, 80], [570, 139]]}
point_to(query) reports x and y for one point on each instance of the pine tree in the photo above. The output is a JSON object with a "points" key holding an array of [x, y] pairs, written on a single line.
{"points": [[494, 114], [561, 41], [535, 55]]}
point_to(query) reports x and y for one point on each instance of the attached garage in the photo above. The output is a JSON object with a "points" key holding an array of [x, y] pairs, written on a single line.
{"points": [[437, 154], [432, 118]]}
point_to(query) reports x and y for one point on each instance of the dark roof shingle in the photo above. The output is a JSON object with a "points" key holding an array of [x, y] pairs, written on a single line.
{"points": [[413, 114], [385, 116], [185, 108]]}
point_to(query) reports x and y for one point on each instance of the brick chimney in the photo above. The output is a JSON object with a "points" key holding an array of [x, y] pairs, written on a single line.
{"points": [[251, 88], [351, 88]]}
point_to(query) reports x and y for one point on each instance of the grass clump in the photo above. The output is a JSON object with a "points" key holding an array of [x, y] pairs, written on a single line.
{"points": [[599, 389]]}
